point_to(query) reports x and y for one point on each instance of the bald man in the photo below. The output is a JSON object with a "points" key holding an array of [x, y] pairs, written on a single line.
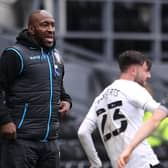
{"points": [[32, 96]]}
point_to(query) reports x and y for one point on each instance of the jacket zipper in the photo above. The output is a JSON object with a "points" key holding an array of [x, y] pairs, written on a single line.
{"points": [[23, 115]]}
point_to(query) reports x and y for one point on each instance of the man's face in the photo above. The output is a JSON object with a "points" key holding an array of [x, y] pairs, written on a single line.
{"points": [[44, 30], [142, 74]]}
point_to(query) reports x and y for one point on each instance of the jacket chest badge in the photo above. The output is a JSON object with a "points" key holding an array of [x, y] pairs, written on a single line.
{"points": [[57, 56]]}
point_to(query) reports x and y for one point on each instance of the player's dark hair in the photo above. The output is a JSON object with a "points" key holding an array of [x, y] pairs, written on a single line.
{"points": [[132, 57]]}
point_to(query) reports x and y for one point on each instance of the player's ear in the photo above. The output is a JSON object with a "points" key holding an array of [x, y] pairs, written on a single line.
{"points": [[31, 29], [133, 70]]}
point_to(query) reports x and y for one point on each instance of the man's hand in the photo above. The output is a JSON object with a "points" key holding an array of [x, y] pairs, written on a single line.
{"points": [[64, 107], [8, 131], [124, 158]]}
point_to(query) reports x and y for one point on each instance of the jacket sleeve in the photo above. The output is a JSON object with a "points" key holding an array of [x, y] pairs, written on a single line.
{"points": [[65, 96], [10, 65]]}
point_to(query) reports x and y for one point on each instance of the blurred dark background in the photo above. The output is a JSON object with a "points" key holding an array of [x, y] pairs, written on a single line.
{"points": [[90, 36]]}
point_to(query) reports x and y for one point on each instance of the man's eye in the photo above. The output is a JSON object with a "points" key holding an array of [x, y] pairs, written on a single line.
{"points": [[44, 24], [53, 25]]}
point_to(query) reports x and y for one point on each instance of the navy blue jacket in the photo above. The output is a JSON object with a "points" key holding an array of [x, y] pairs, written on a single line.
{"points": [[31, 86]]}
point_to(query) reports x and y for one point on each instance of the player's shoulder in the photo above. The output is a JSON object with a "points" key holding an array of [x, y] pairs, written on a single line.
{"points": [[101, 97], [127, 84]]}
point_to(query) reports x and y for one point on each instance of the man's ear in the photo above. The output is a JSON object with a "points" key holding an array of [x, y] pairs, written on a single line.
{"points": [[133, 70], [31, 29]]}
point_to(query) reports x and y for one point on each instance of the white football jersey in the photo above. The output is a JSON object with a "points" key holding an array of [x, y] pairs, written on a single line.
{"points": [[118, 113]]}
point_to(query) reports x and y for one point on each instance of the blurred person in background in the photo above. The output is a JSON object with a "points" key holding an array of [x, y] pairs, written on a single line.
{"points": [[32, 96], [160, 136], [118, 113]]}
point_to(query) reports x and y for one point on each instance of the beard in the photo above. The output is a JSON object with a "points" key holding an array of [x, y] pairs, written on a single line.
{"points": [[43, 41], [45, 44], [140, 81]]}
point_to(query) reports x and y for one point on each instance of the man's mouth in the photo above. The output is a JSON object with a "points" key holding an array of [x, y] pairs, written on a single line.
{"points": [[49, 39]]}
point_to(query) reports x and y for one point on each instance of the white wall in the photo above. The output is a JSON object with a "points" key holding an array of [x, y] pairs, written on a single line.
{"points": [[7, 16]]}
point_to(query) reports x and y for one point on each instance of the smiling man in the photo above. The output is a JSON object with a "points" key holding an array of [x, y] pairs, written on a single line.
{"points": [[41, 27], [32, 96]]}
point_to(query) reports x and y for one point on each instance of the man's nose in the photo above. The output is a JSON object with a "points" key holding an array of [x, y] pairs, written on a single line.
{"points": [[51, 28], [149, 75]]}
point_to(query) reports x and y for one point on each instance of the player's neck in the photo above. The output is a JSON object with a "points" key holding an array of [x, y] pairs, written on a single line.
{"points": [[127, 76]]}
